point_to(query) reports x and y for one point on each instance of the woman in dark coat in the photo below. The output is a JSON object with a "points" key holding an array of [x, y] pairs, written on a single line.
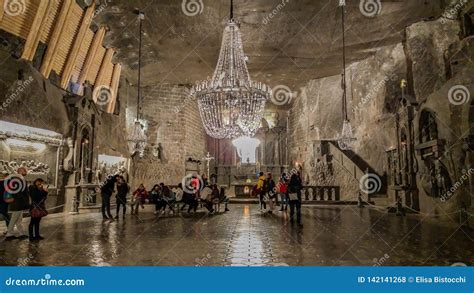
{"points": [[294, 188], [38, 193]]}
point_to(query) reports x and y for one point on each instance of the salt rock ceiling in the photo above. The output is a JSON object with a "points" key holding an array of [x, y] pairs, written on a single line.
{"points": [[301, 41]]}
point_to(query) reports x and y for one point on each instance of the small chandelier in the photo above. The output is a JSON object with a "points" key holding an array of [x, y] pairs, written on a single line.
{"points": [[230, 104], [137, 139], [346, 139]]}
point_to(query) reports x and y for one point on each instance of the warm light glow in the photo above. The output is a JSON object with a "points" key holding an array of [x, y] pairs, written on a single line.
{"points": [[246, 148]]}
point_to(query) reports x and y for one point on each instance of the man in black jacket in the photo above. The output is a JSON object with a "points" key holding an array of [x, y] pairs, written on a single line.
{"points": [[17, 188], [3, 204], [106, 192]]}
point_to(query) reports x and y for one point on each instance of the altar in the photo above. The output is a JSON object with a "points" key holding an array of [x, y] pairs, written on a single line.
{"points": [[244, 189]]}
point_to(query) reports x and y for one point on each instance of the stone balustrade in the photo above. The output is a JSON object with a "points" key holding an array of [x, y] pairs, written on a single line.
{"points": [[321, 193]]}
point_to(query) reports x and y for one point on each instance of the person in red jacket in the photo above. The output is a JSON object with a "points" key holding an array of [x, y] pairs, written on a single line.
{"points": [[139, 197], [283, 190]]}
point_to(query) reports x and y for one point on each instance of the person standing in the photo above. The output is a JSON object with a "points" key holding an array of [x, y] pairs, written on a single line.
{"points": [[17, 190], [106, 191], [270, 193], [121, 196], [261, 191], [3, 204], [294, 192], [38, 193], [283, 190]]}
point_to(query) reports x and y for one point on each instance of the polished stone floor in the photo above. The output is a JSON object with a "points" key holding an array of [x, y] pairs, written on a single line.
{"points": [[331, 235]]}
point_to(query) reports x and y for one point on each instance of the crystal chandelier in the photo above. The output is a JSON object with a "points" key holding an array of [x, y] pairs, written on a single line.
{"points": [[346, 139], [137, 139], [230, 103]]}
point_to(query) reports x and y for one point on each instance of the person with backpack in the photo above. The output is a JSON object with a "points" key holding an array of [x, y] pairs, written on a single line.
{"points": [[261, 191]]}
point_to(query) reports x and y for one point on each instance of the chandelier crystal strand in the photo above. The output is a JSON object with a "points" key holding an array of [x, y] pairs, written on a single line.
{"points": [[230, 104], [137, 139], [346, 139]]}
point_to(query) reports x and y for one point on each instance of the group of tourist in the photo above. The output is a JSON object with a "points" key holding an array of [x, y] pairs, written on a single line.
{"points": [[162, 196], [288, 188], [17, 198]]}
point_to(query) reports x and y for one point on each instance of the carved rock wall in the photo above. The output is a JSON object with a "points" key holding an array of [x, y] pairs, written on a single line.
{"points": [[373, 95], [175, 125]]}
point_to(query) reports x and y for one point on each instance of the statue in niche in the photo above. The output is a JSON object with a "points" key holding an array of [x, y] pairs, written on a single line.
{"points": [[158, 151]]}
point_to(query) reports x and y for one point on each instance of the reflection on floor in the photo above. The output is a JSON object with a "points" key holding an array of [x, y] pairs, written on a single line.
{"points": [[332, 235]]}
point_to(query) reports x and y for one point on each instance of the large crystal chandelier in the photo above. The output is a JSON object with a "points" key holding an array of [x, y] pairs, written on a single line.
{"points": [[230, 104], [346, 139], [137, 139]]}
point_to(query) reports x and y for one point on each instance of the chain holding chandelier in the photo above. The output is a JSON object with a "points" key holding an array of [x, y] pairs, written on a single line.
{"points": [[137, 139], [231, 104], [346, 139]]}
